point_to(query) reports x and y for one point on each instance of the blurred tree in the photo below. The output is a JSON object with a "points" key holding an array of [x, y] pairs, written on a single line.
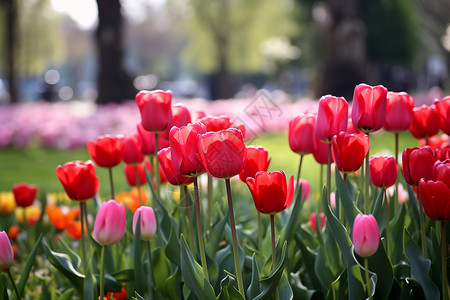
{"points": [[225, 36], [10, 22], [114, 83]]}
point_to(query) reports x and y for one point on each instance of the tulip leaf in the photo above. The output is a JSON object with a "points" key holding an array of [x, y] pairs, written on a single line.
{"points": [[420, 267], [228, 290], [216, 235], [309, 258], [355, 282], [435, 255], [172, 249], [137, 296], [294, 220], [397, 235], [172, 286], [76, 260], [63, 263], [378, 211], [139, 273], [193, 275], [3, 285], [347, 204], [160, 268], [414, 206], [90, 286], [27, 268], [125, 275], [254, 289]]}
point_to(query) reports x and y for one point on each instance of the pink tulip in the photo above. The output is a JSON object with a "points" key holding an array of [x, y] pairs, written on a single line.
{"points": [[148, 222], [110, 223], [312, 221], [6, 251], [399, 110], [369, 107], [366, 235], [332, 117]]}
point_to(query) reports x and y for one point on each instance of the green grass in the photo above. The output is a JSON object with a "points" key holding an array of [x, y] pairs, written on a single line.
{"points": [[37, 165]]}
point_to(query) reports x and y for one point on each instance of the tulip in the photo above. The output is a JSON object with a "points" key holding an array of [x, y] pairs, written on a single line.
{"points": [[257, 160], [216, 123], [349, 151], [426, 122], [73, 230], [441, 171], [351, 128], [366, 235], [197, 115], [312, 221], [301, 134], [223, 153], [13, 231], [131, 199], [383, 171], [369, 107], [148, 222], [270, 192], [7, 203], [60, 217], [417, 163], [174, 178], [6, 251], [155, 109], [110, 223], [332, 117], [443, 108], [78, 179], [443, 153], [184, 149], [321, 153], [133, 150], [399, 110], [24, 194], [180, 115], [107, 150], [148, 140], [435, 197], [306, 189], [130, 173]]}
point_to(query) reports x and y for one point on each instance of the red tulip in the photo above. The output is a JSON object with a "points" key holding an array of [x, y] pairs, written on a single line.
{"points": [[78, 179], [443, 153], [426, 122], [24, 194], [184, 149], [349, 150], [443, 108], [148, 140], [441, 171], [366, 235], [197, 115], [155, 108], [257, 160], [180, 116], [417, 163], [435, 197], [107, 150], [270, 192], [216, 123], [383, 170], [312, 221], [239, 126], [321, 152], [399, 110], [302, 138], [332, 117], [223, 152], [132, 153], [369, 107], [434, 142], [174, 178], [130, 173], [351, 128]]}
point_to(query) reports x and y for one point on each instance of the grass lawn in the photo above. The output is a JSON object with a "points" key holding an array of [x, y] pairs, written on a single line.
{"points": [[37, 165]]}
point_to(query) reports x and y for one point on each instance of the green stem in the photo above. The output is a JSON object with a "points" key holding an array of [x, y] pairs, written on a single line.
{"points": [[422, 226], [396, 180], [102, 273], [234, 237], [445, 295], [150, 290], [366, 266], [138, 184], [299, 172], [191, 226], [260, 242], [83, 234], [321, 178], [157, 179], [341, 206], [210, 194], [386, 211], [274, 253], [329, 174], [366, 182], [13, 283], [111, 183], [200, 230]]}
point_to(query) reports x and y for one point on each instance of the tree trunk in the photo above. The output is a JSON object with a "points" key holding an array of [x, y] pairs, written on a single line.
{"points": [[346, 57], [220, 81], [10, 42], [114, 83]]}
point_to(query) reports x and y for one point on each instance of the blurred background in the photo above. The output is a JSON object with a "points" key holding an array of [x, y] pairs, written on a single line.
{"points": [[106, 50]]}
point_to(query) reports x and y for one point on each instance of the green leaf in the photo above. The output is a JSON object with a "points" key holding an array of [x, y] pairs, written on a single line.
{"points": [[216, 235], [27, 268], [123, 276], [309, 258], [63, 263], [348, 206], [192, 274], [137, 296], [139, 274], [380, 264], [76, 260], [294, 220], [397, 235], [160, 268], [172, 249], [414, 205], [228, 290], [378, 211], [284, 289], [172, 286], [90, 286], [420, 267], [254, 288]]}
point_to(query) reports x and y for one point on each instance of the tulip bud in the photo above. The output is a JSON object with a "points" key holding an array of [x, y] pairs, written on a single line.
{"points": [[332, 117], [399, 109], [148, 222], [426, 122], [78, 179], [24, 194], [110, 223], [302, 138], [257, 160], [417, 163], [349, 150], [443, 108], [6, 251], [369, 107], [107, 150], [383, 170], [312, 221], [132, 153], [366, 235], [155, 109]]}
